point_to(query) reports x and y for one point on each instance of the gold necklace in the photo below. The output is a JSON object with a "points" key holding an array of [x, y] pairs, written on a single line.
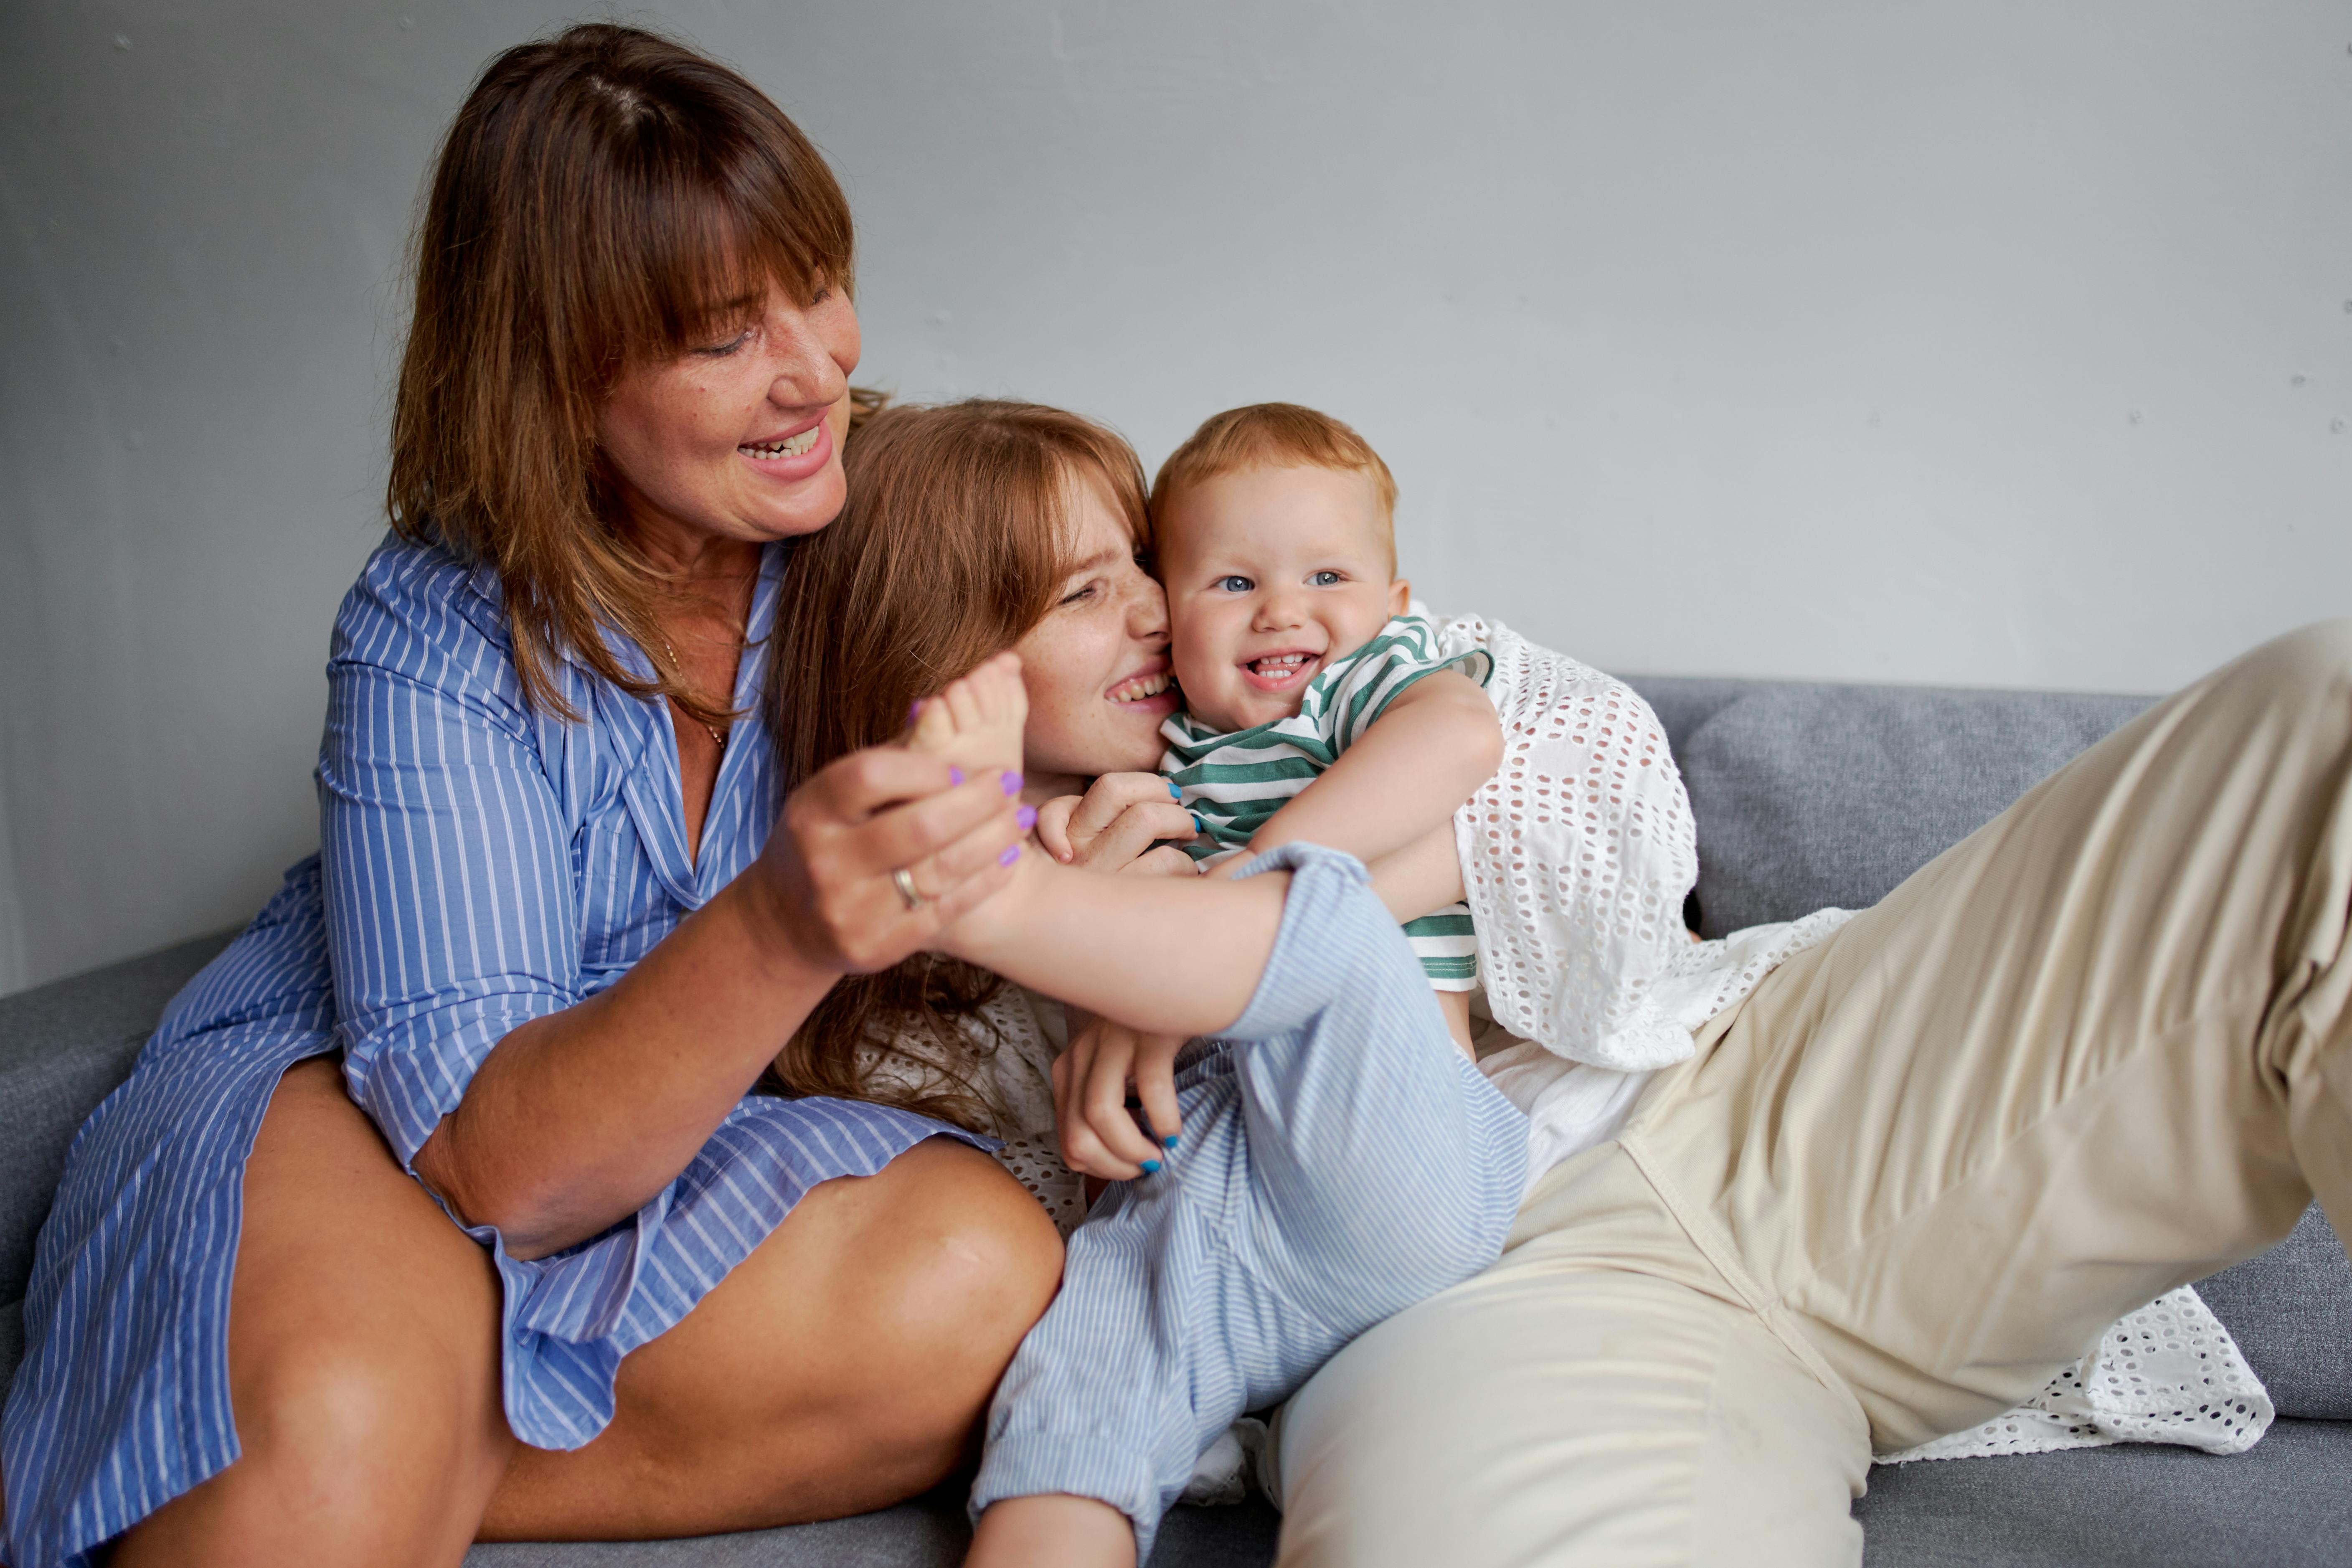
{"points": [[717, 733]]}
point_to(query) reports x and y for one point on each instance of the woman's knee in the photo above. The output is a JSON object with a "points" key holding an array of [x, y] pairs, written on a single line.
{"points": [[362, 1357], [354, 1415], [355, 1446], [887, 1305], [965, 1260]]}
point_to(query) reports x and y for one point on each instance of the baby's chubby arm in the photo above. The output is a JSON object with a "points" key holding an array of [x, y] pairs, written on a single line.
{"points": [[1437, 742]]}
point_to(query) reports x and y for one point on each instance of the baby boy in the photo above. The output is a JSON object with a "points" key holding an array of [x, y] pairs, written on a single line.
{"points": [[1300, 666]]}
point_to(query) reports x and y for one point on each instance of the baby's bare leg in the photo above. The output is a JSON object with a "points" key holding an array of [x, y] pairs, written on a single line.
{"points": [[1455, 1005], [1421, 879], [1053, 1530]]}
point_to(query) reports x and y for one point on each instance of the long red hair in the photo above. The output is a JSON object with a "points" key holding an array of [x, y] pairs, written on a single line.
{"points": [[953, 545]]}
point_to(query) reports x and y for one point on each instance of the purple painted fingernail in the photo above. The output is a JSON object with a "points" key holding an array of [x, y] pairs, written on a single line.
{"points": [[1026, 816], [915, 710], [1012, 783], [1012, 853], [955, 775]]}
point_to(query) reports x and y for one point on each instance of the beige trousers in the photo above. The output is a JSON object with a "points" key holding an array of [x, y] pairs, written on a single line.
{"points": [[2099, 1048]]}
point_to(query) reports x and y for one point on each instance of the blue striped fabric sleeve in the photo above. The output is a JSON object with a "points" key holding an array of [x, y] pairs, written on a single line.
{"points": [[452, 915]]}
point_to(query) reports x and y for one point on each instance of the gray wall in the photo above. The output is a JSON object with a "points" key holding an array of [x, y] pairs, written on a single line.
{"points": [[2006, 343]]}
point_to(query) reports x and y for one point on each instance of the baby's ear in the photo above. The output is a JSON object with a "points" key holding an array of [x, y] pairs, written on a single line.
{"points": [[1399, 597]]}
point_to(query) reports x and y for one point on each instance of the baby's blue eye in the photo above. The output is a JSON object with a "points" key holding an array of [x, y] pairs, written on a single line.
{"points": [[1323, 580], [1235, 583]]}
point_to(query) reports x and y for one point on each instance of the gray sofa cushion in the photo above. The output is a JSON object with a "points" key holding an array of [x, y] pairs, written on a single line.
{"points": [[2290, 1310], [2286, 1504], [928, 1532], [1811, 796]]}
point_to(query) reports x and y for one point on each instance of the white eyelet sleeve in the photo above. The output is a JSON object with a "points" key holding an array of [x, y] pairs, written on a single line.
{"points": [[1576, 857]]}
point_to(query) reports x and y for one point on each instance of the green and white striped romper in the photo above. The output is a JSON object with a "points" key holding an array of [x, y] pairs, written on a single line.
{"points": [[1234, 781]]}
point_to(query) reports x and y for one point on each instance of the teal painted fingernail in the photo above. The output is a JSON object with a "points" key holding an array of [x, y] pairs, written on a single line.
{"points": [[1199, 826], [955, 775], [1170, 1139], [1026, 816], [1173, 793], [1151, 1167], [1012, 783], [1012, 853]]}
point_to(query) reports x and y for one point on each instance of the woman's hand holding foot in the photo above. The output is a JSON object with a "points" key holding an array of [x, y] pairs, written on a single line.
{"points": [[1099, 1135], [831, 883]]}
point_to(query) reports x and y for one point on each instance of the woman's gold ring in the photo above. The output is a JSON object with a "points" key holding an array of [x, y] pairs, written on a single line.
{"points": [[904, 881]]}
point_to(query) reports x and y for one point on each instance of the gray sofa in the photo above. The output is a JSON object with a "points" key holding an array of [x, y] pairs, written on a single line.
{"points": [[1805, 796]]}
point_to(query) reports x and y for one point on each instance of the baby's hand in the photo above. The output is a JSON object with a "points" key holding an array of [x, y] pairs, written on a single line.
{"points": [[1098, 1133], [1112, 827]]}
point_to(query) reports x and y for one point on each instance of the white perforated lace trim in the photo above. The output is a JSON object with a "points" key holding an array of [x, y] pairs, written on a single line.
{"points": [[1037, 1167], [1026, 1029], [1576, 857], [2169, 1373]]}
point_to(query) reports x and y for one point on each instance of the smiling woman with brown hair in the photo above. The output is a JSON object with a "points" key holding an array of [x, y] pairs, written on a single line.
{"points": [[536, 1262]]}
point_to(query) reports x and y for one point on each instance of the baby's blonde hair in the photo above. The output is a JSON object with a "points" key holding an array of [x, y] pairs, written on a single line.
{"points": [[1276, 436]]}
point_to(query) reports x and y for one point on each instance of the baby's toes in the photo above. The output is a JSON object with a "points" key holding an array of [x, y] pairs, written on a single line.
{"points": [[964, 699], [1004, 699], [934, 729]]}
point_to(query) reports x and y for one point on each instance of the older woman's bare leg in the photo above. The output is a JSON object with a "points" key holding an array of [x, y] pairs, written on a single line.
{"points": [[364, 1360], [840, 1367]]}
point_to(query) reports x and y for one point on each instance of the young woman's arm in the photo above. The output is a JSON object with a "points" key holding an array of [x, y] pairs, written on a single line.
{"points": [[1168, 955]]}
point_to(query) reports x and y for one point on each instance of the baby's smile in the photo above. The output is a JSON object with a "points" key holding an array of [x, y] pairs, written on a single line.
{"points": [[1286, 674]]}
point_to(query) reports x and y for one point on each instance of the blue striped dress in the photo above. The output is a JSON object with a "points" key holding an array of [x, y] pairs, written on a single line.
{"points": [[482, 865]]}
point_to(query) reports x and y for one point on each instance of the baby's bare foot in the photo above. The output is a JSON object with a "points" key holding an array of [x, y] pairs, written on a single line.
{"points": [[976, 723]]}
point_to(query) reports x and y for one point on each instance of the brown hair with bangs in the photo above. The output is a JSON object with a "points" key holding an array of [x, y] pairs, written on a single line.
{"points": [[1276, 435], [954, 544], [603, 199]]}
